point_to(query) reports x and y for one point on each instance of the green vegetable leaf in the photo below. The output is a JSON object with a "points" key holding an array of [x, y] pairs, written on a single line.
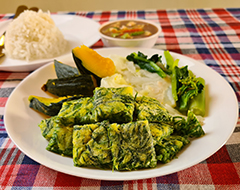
{"points": [[145, 63]]}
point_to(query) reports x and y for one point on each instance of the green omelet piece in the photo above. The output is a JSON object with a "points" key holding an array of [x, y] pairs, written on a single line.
{"points": [[91, 145], [190, 127], [170, 146], [113, 104], [150, 109], [132, 146], [61, 140], [48, 126], [77, 112], [160, 131]]}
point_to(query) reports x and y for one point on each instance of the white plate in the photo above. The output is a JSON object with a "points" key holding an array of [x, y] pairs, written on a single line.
{"points": [[21, 122], [76, 30]]}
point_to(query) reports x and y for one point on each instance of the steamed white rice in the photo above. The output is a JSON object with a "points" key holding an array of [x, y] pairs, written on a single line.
{"points": [[34, 35]]}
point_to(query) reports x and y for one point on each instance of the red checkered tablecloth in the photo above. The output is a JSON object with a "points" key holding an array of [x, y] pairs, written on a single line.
{"points": [[211, 36]]}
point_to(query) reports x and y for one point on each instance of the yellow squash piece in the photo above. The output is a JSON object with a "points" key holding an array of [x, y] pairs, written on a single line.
{"points": [[87, 58]]}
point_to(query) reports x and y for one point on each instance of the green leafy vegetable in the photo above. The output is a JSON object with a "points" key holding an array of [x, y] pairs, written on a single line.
{"points": [[185, 85], [148, 64], [197, 104]]}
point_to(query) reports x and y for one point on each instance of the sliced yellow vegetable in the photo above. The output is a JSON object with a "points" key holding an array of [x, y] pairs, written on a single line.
{"points": [[93, 62]]}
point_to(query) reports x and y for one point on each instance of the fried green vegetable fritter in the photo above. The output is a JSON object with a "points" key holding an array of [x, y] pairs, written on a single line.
{"points": [[132, 146], [61, 140], [170, 146], [160, 131], [91, 145], [77, 112], [150, 109], [113, 104]]}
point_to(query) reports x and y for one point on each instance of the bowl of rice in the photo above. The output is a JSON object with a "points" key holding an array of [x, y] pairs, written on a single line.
{"points": [[33, 36]]}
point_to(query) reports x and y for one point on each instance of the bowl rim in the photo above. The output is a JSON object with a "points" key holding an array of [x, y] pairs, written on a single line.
{"points": [[133, 39]]}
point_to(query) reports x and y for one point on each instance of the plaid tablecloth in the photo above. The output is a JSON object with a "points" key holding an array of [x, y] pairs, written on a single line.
{"points": [[211, 36]]}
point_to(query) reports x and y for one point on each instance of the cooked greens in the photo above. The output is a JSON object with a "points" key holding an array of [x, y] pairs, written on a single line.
{"points": [[149, 64], [113, 104], [132, 146], [77, 111], [160, 131], [48, 126], [113, 129], [169, 147], [61, 140], [91, 145], [188, 90], [150, 109]]}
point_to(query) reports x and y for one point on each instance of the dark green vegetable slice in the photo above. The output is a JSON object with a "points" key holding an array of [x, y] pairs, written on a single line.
{"points": [[168, 149], [61, 141], [49, 106], [132, 146], [65, 71], [77, 85], [91, 145], [150, 109], [113, 104]]}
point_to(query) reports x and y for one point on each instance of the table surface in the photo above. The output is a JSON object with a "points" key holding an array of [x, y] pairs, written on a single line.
{"points": [[211, 36]]}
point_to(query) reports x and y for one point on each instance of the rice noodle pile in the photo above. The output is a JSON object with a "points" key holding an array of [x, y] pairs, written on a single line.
{"points": [[34, 35], [142, 81]]}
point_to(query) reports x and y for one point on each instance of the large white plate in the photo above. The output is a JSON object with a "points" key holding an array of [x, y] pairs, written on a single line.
{"points": [[76, 30], [21, 122]]}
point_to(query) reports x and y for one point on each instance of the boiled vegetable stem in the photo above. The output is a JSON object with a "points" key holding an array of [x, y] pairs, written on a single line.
{"points": [[197, 104], [156, 68]]}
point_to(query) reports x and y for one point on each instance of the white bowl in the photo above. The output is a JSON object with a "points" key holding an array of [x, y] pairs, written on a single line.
{"points": [[147, 42]]}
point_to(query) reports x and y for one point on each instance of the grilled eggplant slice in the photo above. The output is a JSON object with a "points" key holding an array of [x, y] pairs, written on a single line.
{"points": [[91, 145], [49, 106], [132, 146], [90, 62], [150, 109], [65, 71], [76, 85], [113, 104]]}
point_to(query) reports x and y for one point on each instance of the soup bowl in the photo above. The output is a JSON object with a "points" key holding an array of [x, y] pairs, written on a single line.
{"points": [[129, 33]]}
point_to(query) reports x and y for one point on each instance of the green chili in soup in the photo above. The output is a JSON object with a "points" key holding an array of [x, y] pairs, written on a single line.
{"points": [[129, 29]]}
